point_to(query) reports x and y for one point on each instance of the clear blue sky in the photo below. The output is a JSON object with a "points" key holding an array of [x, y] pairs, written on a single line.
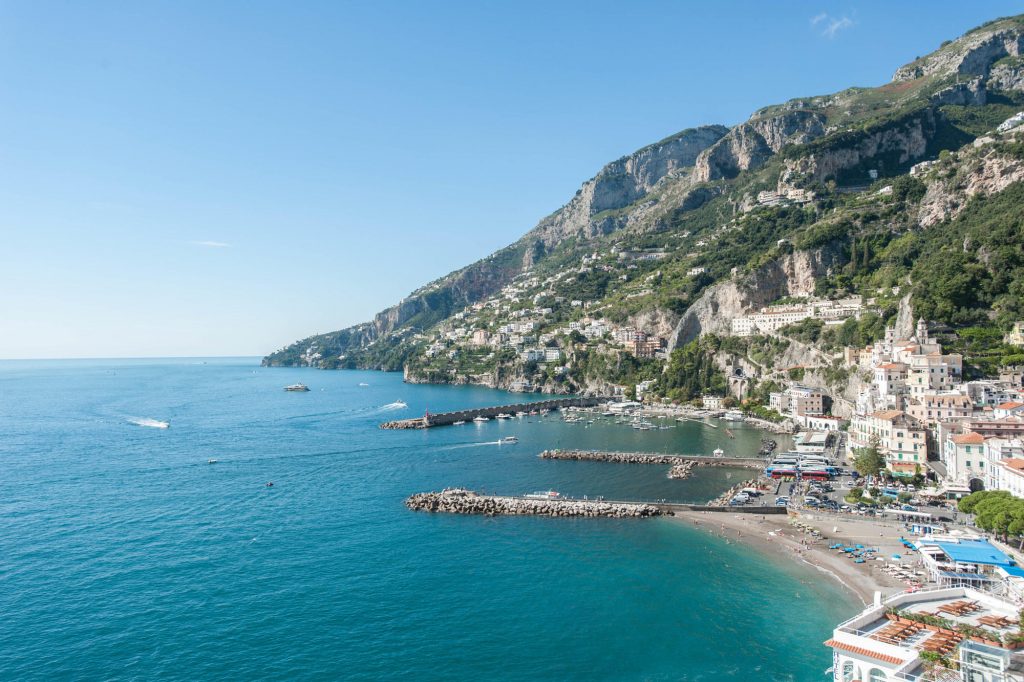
{"points": [[217, 178]]}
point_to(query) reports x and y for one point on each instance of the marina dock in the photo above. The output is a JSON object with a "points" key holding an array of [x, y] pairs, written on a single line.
{"points": [[445, 418]]}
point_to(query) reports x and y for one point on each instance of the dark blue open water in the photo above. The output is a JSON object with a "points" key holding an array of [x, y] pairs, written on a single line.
{"points": [[124, 555]]}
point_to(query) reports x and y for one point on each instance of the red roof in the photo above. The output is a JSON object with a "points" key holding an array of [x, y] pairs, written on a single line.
{"points": [[1014, 463], [1012, 405], [863, 652], [971, 438]]}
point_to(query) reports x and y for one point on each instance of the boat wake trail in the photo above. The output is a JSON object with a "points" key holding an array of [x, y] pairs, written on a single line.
{"points": [[146, 421], [397, 405]]}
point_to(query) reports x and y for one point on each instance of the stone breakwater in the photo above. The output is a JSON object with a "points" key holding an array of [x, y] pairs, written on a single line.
{"points": [[682, 465], [460, 501], [723, 499]]}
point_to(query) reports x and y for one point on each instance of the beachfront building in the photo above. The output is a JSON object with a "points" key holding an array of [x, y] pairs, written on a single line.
{"points": [[712, 402], [959, 561], [885, 642], [902, 439]]}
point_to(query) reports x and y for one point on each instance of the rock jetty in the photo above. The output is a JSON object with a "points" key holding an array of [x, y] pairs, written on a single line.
{"points": [[723, 499], [462, 501], [682, 465]]}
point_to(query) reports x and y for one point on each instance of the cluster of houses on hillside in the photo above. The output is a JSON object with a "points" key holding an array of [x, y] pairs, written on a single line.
{"points": [[918, 407]]}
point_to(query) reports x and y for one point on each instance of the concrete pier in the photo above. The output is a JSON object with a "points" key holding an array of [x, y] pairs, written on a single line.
{"points": [[445, 418]]}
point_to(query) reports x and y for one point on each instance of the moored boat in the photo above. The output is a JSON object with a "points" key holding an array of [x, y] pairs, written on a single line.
{"points": [[296, 388], [543, 495]]}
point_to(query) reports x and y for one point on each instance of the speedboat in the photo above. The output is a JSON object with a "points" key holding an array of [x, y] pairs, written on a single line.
{"points": [[543, 495], [297, 388], [504, 416], [458, 423], [481, 419], [399, 404], [211, 461], [363, 384], [509, 439], [718, 452]]}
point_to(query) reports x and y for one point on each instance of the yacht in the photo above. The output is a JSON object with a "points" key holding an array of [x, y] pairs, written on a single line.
{"points": [[459, 423], [481, 419], [504, 416], [296, 388], [543, 495], [733, 416], [509, 439]]}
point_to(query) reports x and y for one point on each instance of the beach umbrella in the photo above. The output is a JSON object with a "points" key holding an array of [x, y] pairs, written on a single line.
{"points": [[859, 546], [897, 557]]}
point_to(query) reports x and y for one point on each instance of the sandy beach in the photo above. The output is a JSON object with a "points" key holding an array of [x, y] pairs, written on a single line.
{"points": [[778, 535]]}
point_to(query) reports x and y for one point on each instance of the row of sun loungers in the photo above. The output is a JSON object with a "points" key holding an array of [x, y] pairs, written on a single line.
{"points": [[960, 608]]}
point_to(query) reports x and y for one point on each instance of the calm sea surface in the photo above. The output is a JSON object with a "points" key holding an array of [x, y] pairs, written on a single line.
{"points": [[125, 555]]}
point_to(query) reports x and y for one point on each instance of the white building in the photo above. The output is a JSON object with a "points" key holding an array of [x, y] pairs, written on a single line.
{"points": [[884, 642]]}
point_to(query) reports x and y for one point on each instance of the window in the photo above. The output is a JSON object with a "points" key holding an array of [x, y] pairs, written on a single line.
{"points": [[848, 671], [876, 675]]}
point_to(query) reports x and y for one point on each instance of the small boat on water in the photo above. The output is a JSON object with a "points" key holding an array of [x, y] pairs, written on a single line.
{"points": [[399, 404], [718, 452], [459, 423], [509, 439], [504, 416], [481, 419], [543, 495], [211, 461], [363, 384], [296, 388]]}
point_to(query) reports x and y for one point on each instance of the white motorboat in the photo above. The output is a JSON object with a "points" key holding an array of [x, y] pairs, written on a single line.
{"points": [[509, 439], [296, 388], [481, 419], [458, 423], [543, 495]]}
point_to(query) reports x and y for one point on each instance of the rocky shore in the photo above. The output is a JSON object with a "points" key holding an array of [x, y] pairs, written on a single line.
{"points": [[462, 501]]}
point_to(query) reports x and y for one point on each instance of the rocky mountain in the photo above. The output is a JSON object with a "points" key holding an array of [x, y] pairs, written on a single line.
{"points": [[820, 197]]}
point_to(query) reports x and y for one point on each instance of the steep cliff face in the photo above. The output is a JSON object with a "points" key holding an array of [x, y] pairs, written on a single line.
{"points": [[983, 170], [750, 144], [1008, 75], [620, 184], [791, 275], [971, 55], [893, 146]]}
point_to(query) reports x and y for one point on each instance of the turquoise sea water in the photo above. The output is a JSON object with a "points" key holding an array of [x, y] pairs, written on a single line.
{"points": [[124, 555]]}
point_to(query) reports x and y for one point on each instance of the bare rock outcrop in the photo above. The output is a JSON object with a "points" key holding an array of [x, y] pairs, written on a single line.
{"points": [[970, 55], [790, 275], [948, 194]]}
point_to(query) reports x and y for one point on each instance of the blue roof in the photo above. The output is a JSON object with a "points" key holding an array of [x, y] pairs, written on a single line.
{"points": [[975, 552], [1015, 571]]}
